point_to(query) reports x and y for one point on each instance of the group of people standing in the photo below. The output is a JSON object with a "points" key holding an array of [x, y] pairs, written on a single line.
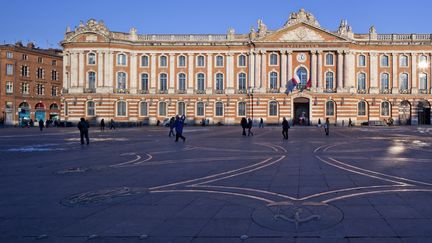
{"points": [[247, 123], [177, 123], [102, 124]]}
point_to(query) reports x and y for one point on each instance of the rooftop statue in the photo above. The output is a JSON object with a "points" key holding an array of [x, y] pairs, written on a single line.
{"points": [[302, 16]]}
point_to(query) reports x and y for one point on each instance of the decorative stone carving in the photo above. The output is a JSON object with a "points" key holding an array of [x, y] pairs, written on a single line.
{"points": [[252, 33], [262, 28], [133, 34], [231, 33], [302, 34], [91, 26], [302, 16]]}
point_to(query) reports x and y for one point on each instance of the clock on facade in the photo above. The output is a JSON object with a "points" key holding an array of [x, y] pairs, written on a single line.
{"points": [[301, 57]]}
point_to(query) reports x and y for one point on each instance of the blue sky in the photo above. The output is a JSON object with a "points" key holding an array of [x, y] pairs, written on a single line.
{"points": [[45, 21]]}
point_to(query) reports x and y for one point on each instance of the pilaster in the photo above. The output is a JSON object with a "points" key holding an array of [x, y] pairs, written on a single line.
{"points": [[100, 71], [190, 76], [413, 82], [152, 73], [133, 73], [172, 76], [209, 73], [319, 74], [373, 73], [283, 81], [394, 83], [339, 71]]}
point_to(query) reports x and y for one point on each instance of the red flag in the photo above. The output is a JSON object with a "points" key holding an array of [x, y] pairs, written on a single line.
{"points": [[309, 84]]}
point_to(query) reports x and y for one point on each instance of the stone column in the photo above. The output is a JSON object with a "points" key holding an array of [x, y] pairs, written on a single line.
{"points": [[263, 84], [100, 76], [209, 77], [190, 76], [230, 73], [257, 70], [313, 74], [373, 73], [133, 81], [319, 74], [339, 71], [251, 70], [172, 77], [81, 74], [152, 73], [106, 69], [111, 82], [413, 82], [349, 72], [66, 78], [283, 75], [394, 85]]}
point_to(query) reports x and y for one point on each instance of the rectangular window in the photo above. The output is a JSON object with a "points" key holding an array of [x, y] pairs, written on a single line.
{"points": [[24, 57], [40, 89], [54, 91], [54, 63], [40, 60], [25, 88], [200, 61], [9, 55], [54, 75], [9, 69], [9, 87], [40, 73], [25, 71], [144, 61]]}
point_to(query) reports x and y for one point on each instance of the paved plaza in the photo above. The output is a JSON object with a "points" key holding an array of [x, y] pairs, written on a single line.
{"points": [[360, 184]]}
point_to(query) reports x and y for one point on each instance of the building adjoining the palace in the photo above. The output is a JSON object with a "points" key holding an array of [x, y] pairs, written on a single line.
{"points": [[300, 71], [31, 83]]}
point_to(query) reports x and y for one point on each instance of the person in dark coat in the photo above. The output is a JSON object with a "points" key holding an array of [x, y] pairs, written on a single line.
{"points": [[285, 127], [41, 125], [244, 124], [261, 124], [327, 127], [171, 126], [112, 125], [179, 123], [102, 125], [83, 126], [250, 124]]}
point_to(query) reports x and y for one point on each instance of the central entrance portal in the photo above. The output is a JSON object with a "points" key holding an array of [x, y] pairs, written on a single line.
{"points": [[301, 112]]}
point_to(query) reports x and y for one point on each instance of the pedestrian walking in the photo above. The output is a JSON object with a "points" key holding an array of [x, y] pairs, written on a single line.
{"points": [[250, 124], [244, 124], [350, 122], [83, 127], [261, 124], [327, 126], [179, 123], [102, 125], [112, 124], [171, 126], [319, 122], [41, 125], [285, 127]]}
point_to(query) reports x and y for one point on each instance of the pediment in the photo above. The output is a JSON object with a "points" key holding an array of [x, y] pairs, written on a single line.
{"points": [[302, 32]]}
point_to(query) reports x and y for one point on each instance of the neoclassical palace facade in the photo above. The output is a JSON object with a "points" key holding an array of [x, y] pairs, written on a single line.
{"points": [[300, 71]]}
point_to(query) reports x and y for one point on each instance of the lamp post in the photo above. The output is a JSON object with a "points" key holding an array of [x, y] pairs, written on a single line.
{"points": [[250, 95]]}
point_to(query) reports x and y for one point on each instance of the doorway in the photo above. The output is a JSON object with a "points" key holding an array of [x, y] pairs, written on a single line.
{"points": [[405, 113], [424, 113], [301, 112]]}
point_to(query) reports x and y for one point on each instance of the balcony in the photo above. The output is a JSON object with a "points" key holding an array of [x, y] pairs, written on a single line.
{"points": [[181, 91], [121, 91], [361, 91], [162, 91], [200, 91], [385, 91], [329, 90], [273, 90], [423, 91], [90, 90], [404, 91], [241, 91], [219, 91], [143, 91]]}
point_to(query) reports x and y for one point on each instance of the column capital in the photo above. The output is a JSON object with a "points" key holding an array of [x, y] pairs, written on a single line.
{"points": [[171, 54], [209, 54], [190, 54], [340, 52]]}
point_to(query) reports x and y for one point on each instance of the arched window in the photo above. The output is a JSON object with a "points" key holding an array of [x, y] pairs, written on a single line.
{"points": [[54, 106], [241, 109], [144, 82], [162, 109], [90, 108], [219, 61], [384, 61], [91, 80], [200, 82], [121, 80], [121, 59], [182, 61], [273, 59], [329, 59], [242, 61], [219, 81], [200, 61], [144, 61], [121, 108], [181, 108], [219, 109], [403, 61], [182, 81], [143, 108], [423, 81], [273, 108], [163, 82], [302, 75], [91, 59], [200, 109], [329, 81], [384, 81], [273, 80], [385, 108], [361, 81], [163, 61], [423, 59], [330, 108], [404, 81], [362, 61], [361, 108], [242, 81]]}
